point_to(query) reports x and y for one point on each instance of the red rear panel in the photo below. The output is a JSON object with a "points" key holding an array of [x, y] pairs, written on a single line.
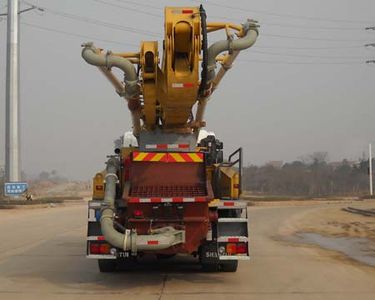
{"points": [[169, 193]]}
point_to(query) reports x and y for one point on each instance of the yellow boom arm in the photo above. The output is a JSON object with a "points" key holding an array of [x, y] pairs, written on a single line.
{"points": [[162, 95]]}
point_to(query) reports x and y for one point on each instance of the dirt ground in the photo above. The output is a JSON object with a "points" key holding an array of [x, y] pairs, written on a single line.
{"points": [[66, 189], [333, 221]]}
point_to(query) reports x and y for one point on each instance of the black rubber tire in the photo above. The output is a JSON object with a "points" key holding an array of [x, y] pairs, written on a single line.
{"points": [[164, 256], [107, 265], [210, 268], [229, 266]]}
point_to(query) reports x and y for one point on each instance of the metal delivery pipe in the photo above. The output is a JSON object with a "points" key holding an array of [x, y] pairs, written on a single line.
{"points": [[165, 237], [131, 90], [111, 235], [249, 38]]}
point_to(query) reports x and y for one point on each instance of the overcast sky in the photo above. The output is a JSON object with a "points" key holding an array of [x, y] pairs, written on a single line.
{"points": [[283, 99]]}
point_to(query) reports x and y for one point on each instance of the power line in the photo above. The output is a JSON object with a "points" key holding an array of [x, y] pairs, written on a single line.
{"points": [[270, 35], [272, 24], [142, 5], [101, 23], [226, 18], [297, 26], [300, 63], [287, 25], [134, 45], [264, 12], [313, 27], [311, 38], [128, 8], [306, 55], [77, 35], [308, 48]]}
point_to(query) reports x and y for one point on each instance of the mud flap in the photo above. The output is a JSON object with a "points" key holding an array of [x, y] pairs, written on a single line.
{"points": [[209, 253]]}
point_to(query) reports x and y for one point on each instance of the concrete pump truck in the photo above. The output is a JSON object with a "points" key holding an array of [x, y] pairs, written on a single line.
{"points": [[168, 192]]}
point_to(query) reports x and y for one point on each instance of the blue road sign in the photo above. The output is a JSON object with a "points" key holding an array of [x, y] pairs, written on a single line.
{"points": [[15, 188]]}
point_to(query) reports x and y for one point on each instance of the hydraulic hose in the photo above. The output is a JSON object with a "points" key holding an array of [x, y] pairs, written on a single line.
{"points": [[204, 72]]}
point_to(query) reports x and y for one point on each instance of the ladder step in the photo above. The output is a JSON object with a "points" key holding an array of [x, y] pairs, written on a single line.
{"points": [[232, 220], [229, 204]]}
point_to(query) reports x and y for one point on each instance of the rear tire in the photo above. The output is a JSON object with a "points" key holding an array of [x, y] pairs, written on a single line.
{"points": [[164, 256], [107, 265], [210, 268], [229, 266]]}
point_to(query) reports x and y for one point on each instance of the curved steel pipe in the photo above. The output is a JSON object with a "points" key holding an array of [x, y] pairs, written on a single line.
{"points": [[234, 46], [250, 37], [131, 90], [166, 236]]}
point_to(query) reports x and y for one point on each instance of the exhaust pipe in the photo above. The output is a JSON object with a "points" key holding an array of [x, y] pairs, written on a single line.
{"points": [[131, 90], [162, 238]]}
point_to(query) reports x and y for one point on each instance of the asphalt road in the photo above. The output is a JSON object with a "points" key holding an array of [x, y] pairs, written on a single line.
{"points": [[42, 256]]}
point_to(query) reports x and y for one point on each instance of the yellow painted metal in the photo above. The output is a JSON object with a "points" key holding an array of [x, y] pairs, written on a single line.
{"points": [[170, 89], [229, 182], [98, 187], [149, 60], [214, 203], [235, 187], [214, 26], [126, 151], [178, 90], [127, 54]]}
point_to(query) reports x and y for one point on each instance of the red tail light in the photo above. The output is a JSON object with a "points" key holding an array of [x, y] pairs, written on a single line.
{"points": [[242, 248], [231, 248], [100, 248], [104, 248], [138, 213], [94, 248]]}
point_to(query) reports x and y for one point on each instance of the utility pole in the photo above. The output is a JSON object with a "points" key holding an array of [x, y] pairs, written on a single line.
{"points": [[370, 168], [12, 138], [12, 106]]}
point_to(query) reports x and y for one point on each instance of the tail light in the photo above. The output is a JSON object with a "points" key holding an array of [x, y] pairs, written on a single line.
{"points": [[100, 248], [104, 248], [242, 248], [94, 248], [137, 213], [231, 248]]}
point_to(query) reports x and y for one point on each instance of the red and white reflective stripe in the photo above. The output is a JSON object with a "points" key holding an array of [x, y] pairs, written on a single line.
{"points": [[167, 146], [154, 242], [96, 238], [182, 11], [236, 203], [232, 239], [181, 85], [166, 200]]}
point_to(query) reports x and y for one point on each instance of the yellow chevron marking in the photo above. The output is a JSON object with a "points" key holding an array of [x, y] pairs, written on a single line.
{"points": [[177, 157], [140, 156], [195, 157], [158, 157]]}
